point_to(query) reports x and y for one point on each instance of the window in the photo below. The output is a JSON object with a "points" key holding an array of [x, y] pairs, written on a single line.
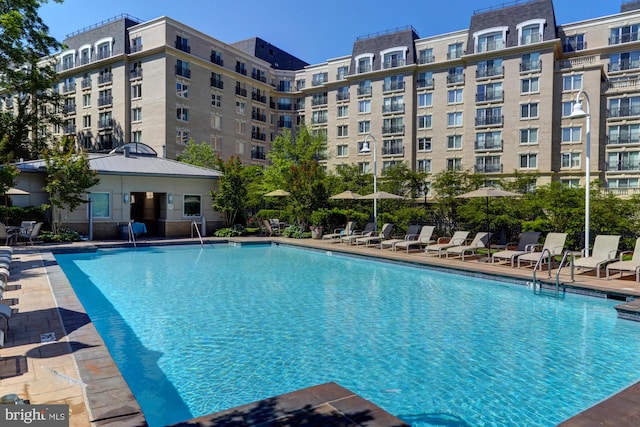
{"points": [[567, 108], [241, 107], [343, 131], [623, 183], [68, 61], [530, 85], [182, 68], [425, 56], [239, 147], [319, 117], [86, 100], [424, 165], [182, 136], [570, 161], [135, 44], [528, 161], [424, 79], [136, 114], [182, 114], [136, 136], [529, 111], [489, 140], [528, 136], [319, 78], [342, 93], [424, 144], [86, 121], [343, 71], [388, 164], [454, 50], [454, 119], [490, 41], [393, 104], [364, 106], [364, 167], [424, 122], [530, 34], [571, 183], [454, 142], [624, 107], [182, 90], [623, 161], [394, 58], [364, 64], [85, 55], [571, 134], [364, 126], [489, 92], [625, 34], [342, 150], [216, 142], [454, 164], [104, 50], [454, 96], [455, 75], [574, 43], [425, 99], [100, 204], [488, 164], [573, 82], [364, 87], [624, 61], [343, 111], [241, 127], [530, 62], [216, 100], [489, 68], [136, 91], [392, 83], [624, 134], [191, 205]]}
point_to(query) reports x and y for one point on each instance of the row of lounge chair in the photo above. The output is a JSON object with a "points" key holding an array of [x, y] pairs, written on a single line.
{"points": [[6, 252], [527, 251]]}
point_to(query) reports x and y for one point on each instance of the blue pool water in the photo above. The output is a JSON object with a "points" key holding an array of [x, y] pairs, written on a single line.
{"points": [[197, 330]]}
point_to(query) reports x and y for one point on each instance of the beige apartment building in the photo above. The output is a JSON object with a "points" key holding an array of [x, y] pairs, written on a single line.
{"points": [[494, 98]]}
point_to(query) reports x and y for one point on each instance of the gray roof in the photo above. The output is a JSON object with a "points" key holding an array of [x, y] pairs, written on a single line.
{"points": [[118, 164]]}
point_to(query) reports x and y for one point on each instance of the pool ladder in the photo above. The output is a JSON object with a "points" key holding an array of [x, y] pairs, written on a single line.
{"points": [[132, 236], [538, 289], [194, 225]]}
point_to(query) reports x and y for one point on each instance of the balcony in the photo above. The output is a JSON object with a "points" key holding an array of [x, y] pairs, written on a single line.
{"points": [[488, 145], [319, 100], [623, 111], [392, 86], [105, 123], [453, 79], [621, 191], [260, 136], [624, 38], [528, 66], [217, 83], [319, 121], [68, 87], [259, 98], [486, 72], [241, 69], [240, 91], [497, 96], [136, 73], [531, 38], [183, 72], [86, 83], [393, 151], [216, 59], [623, 140], [105, 78], [318, 82], [387, 130], [364, 69], [454, 55], [394, 63], [283, 106], [342, 96], [490, 168], [104, 101], [424, 83], [300, 106], [259, 76], [284, 123], [624, 65], [574, 47], [622, 167], [489, 121], [69, 109], [490, 46], [183, 46], [135, 48], [258, 155], [258, 116], [393, 108], [426, 59], [69, 129], [364, 91]]}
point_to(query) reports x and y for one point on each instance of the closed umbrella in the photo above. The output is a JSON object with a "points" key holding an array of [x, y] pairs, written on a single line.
{"points": [[487, 192]]}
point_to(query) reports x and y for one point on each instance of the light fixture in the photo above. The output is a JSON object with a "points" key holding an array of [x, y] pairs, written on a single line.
{"points": [[126, 198], [170, 198], [578, 113], [365, 149]]}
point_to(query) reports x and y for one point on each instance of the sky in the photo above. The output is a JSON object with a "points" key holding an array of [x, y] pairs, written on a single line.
{"points": [[314, 31]]}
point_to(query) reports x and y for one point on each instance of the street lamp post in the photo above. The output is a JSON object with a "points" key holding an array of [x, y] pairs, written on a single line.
{"points": [[577, 113], [366, 150]]}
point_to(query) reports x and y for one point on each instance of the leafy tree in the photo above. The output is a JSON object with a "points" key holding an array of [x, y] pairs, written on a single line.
{"points": [[69, 176], [24, 41], [231, 197], [199, 155]]}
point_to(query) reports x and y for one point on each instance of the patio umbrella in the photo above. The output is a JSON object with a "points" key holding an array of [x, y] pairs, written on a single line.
{"points": [[487, 192], [378, 195], [348, 196], [12, 191], [278, 193]]}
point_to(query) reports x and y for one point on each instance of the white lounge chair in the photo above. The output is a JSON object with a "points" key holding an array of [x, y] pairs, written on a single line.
{"points": [[369, 230], [444, 243], [423, 239], [554, 243], [412, 234], [527, 243], [605, 249], [385, 233], [480, 240], [632, 265], [339, 232]]}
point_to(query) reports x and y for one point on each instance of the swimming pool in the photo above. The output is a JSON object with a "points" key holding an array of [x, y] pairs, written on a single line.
{"points": [[197, 330]]}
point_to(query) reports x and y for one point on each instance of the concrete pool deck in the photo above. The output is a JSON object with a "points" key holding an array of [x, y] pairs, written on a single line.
{"points": [[53, 354]]}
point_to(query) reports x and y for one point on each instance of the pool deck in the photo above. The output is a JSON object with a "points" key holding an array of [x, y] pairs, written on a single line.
{"points": [[53, 354]]}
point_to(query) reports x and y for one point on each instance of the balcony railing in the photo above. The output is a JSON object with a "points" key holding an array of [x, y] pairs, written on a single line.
{"points": [[455, 78], [319, 121], [284, 123], [624, 111], [531, 38], [184, 72], [319, 100], [490, 46], [364, 68], [86, 83], [624, 38], [488, 145], [69, 108], [393, 108], [574, 47], [217, 83], [260, 98], [622, 166], [300, 105], [240, 91], [342, 96], [393, 151], [393, 63], [183, 46], [484, 72], [364, 90], [259, 76], [105, 100], [497, 96], [622, 140], [136, 73], [426, 59], [393, 129], [455, 54], [69, 129], [105, 123], [621, 191], [217, 60], [68, 87], [105, 78], [241, 69], [424, 83], [135, 48], [318, 82], [258, 116], [388, 87], [489, 121], [260, 136], [624, 65], [530, 65], [490, 168]]}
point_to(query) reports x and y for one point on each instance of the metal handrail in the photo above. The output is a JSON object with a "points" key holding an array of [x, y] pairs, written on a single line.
{"points": [[132, 236], [195, 225], [535, 269]]}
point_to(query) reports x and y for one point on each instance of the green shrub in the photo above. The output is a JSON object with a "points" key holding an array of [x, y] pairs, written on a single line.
{"points": [[65, 235], [233, 231], [296, 232]]}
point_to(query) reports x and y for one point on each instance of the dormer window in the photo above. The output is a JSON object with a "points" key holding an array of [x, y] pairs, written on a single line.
{"points": [[530, 31], [394, 57], [364, 63], [104, 48], [85, 54], [68, 60], [490, 39]]}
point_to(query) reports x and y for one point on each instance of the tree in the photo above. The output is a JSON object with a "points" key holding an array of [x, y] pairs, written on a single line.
{"points": [[69, 176], [24, 42], [199, 155], [231, 197]]}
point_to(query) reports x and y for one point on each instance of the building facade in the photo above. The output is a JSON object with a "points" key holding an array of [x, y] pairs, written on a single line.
{"points": [[494, 99]]}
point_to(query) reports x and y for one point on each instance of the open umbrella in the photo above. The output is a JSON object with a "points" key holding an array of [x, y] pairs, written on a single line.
{"points": [[378, 195], [12, 191], [487, 192], [348, 196], [278, 193]]}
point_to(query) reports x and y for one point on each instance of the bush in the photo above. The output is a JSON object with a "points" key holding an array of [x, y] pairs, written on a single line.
{"points": [[296, 232], [65, 235], [233, 231]]}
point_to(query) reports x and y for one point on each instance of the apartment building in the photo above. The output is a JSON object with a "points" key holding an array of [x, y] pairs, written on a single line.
{"points": [[494, 98]]}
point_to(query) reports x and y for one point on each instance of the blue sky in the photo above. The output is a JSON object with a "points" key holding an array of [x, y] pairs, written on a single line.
{"points": [[314, 31]]}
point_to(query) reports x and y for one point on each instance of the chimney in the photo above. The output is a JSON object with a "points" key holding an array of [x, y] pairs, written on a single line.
{"points": [[629, 5], [125, 151]]}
